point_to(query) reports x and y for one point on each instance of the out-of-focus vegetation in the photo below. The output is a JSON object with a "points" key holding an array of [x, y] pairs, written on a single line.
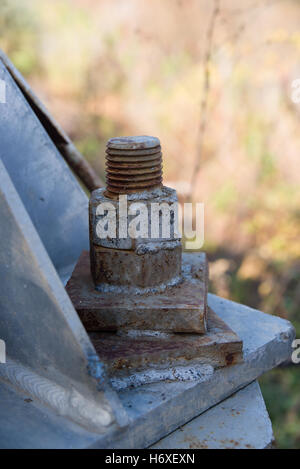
{"points": [[215, 86]]}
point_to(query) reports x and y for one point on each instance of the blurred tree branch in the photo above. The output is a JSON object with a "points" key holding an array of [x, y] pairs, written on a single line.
{"points": [[204, 101]]}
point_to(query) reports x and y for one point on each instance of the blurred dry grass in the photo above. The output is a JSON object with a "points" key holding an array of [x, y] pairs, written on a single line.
{"points": [[135, 67]]}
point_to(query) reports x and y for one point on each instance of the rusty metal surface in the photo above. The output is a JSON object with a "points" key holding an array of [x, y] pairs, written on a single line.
{"points": [[179, 309], [219, 347], [132, 265], [127, 268], [136, 263], [162, 195], [133, 164]]}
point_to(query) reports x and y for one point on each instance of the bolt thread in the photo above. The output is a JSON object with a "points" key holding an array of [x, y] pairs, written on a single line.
{"points": [[133, 164]]}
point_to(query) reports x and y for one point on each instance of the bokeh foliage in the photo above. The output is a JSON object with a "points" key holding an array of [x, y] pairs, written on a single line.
{"points": [[136, 67]]}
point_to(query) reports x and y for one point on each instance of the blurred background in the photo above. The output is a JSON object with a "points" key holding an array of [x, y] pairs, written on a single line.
{"points": [[213, 81]]}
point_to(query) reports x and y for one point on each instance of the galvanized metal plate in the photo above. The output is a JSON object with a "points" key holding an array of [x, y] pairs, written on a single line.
{"points": [[53, 198], [239, 422]]}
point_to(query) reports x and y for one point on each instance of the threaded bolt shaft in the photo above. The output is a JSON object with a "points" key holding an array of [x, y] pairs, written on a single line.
{"points": [[133, 164]]}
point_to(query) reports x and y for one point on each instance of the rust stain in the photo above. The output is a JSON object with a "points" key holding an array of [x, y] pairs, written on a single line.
{"points": [[132, 170], [229, 359]]}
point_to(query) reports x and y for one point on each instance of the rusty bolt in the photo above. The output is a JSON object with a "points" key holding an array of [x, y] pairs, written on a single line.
{"points": [[137, 277], [134, 168], [133, 164]]}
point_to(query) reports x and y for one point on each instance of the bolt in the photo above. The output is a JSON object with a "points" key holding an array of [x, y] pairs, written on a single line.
{"points": [[134, 164], [134, 168], [136, 253]]}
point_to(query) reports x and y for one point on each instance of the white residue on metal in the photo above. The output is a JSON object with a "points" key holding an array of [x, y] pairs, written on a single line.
{"points": [[108, 288], [198, 373], [153, 194], [136, 333], [159, 192], [154, 247]]}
